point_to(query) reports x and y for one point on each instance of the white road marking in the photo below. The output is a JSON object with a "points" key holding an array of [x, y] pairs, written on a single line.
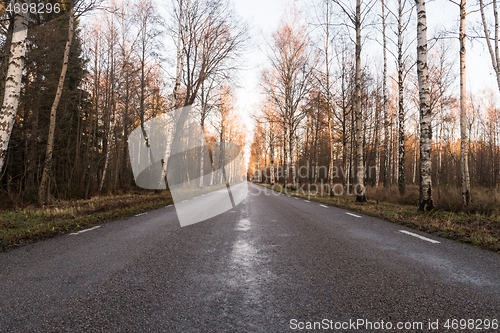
{"points": [[307, 201], [82, 231], [296, 198], [353, 214], [140, 214], [324, 206], [418, 236], [169, 205]]}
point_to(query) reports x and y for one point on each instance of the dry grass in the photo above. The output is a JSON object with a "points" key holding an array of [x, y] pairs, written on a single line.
{"points": [[479, 225], [21, 226], [447, 198]]}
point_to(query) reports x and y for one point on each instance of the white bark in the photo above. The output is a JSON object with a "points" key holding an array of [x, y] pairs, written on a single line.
{"points": [[360, 175], [401, 141], [463, 112], [425, 110], [13, 83], [202, 152], [494, 52], [328, 99], [386, 109], [180, 52]]}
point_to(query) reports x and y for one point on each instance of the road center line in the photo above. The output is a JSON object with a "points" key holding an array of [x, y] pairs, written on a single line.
{"points": [[353, 214], [82, 231], [418, 236], [324, 206]]}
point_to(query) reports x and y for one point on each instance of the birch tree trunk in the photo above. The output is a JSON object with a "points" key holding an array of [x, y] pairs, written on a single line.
{"points": [[386, 110], [180, 52], [285, 159], [377, 145], [463, 114], [291, 157], [401, 148], [13, 83], [203, 143], [44, 189], [360, 175], [111, 105], [271, 159], [425, 199], [495, 56], [328, 97], [178, 76]]}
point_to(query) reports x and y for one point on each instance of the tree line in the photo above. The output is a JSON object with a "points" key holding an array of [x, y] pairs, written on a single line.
{"points": [[75, 84], [329, 117]]}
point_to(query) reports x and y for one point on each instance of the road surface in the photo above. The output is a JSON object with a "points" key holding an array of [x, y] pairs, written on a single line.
{"points": [[273, 263]]}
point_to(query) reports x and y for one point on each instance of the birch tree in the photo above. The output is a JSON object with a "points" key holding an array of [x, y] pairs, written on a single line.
{"points": [[44, 188], [356, 18], [181, 18], [401, 60], [325, 24], [211, 39], [293, 65], [360, 174], [493, 49], [425, 198], [464, 144], [385, 102], [13, 82]]}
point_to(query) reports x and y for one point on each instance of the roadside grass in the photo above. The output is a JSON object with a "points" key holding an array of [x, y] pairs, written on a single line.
{"points": [[469, 227], [22, 226]]}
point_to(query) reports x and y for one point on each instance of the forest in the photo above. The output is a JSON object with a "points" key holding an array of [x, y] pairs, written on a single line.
{"points": [[337, 121], [90, 74]]}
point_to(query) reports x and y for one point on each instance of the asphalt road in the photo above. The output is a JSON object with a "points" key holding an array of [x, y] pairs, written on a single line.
{"points": [[271, 264]]}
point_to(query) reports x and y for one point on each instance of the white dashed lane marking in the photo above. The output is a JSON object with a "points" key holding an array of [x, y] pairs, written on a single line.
{"points": [[324, 206], [418, 236], [82, 231], [353, 214]]}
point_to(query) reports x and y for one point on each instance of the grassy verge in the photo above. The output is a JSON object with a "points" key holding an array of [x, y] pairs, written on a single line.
{"points": [[23, 226], [475, 229]]}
